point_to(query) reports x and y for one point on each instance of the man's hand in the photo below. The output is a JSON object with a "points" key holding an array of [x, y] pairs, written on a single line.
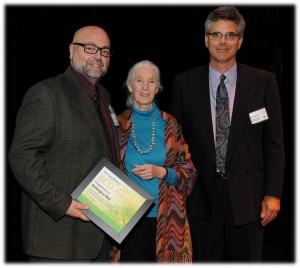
{"points": [[270, 209], [74, 210]]}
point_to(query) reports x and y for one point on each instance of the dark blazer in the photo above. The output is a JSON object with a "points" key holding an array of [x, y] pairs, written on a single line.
{"points": [[255, 154], [58, 140]]}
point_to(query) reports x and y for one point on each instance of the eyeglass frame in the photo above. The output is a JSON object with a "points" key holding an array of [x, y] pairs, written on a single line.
{"points": [[228, 36], [98, 48]]}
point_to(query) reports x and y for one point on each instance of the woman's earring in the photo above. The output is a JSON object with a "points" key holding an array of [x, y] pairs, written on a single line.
{"points": [[129, 100]]}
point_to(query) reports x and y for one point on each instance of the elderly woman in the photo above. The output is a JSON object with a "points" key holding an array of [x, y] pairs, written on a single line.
{"points": [[155, 155]]}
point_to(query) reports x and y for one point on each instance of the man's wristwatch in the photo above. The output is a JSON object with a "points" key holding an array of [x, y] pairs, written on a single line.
{"points": [[166, 175]]}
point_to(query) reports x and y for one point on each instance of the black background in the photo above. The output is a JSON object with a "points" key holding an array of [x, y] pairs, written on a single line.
{"points": [[172, 36]]}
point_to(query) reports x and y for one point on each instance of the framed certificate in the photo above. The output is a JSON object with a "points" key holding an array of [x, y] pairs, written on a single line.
{"points": [[116, 202]]}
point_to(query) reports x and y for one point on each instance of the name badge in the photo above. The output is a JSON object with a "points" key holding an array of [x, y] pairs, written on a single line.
{"points": [[258, 116], [113, 116]]}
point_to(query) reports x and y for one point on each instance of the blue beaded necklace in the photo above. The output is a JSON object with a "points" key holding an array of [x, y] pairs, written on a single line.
{"points": [[133, 135]]}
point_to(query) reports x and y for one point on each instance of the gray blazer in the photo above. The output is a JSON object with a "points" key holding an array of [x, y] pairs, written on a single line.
{"points": [[255, 153], [58, 140]]}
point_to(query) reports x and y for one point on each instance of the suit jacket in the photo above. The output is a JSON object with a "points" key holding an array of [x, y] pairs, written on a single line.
{"points": [[58, 140], [255, 153]]}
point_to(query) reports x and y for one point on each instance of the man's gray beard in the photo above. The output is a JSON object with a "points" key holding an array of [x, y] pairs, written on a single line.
{"points": [[102, 74], [86, 74]]}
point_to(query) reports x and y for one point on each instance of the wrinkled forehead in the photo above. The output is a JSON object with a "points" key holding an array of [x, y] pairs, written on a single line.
{"points": [[146, 70], [220, 25]]}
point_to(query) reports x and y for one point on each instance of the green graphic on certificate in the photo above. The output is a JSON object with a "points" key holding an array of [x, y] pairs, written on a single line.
{"points": [[111, 199]]}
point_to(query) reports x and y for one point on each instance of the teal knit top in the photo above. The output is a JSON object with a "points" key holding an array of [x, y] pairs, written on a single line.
{"points": [[143, 126]]}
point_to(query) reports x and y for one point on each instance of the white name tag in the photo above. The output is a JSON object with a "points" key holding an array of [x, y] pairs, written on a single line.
{"points": [[258, 116], [113, 115]]}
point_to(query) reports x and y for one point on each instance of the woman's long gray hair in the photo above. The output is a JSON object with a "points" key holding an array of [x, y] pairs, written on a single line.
{"points": [[131, 76]]}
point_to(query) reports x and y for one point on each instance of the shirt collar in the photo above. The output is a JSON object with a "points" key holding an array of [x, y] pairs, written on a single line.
{"points": [[231, 75]]}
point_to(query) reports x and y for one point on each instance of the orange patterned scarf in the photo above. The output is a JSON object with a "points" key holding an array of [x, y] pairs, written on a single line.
{"points": [[173, 239]]}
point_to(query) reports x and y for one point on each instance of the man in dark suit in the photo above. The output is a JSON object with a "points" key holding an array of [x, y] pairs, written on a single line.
{"points": [[234, 130], [59, 138]]}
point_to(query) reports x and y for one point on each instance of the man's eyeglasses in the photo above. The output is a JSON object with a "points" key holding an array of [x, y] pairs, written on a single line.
{"points": [[218, 36], [92, 49]]}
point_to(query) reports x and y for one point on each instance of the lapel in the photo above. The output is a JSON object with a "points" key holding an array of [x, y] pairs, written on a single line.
{"points": [[202, 110], [106, 99], [245, 91], [82, 101]]}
